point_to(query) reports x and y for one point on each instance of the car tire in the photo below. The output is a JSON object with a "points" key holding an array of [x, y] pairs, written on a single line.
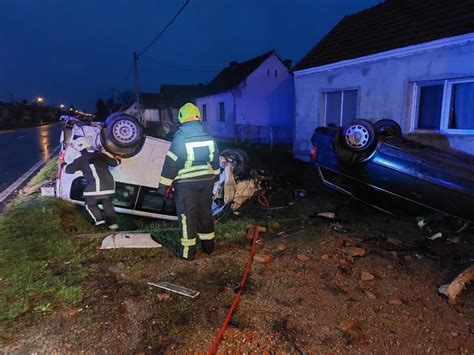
{"points": [[388, 128], [240, 158], [359, 135], [122, 135]]}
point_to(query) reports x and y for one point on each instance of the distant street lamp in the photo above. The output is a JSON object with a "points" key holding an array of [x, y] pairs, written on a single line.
{"points": [[61, 106], [39, 99]]}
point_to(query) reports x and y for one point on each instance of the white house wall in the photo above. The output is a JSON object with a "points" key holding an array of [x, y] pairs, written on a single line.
{"points": [[151, 115], [385, 91], [219, 129], [263, 104], [264, 101]]}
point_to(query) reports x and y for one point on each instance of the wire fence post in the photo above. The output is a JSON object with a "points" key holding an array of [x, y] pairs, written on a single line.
{"points": [[137, 85]]}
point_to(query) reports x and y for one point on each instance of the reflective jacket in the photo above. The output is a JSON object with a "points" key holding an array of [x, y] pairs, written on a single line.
{"points": [[193, 153], [95, 168]]}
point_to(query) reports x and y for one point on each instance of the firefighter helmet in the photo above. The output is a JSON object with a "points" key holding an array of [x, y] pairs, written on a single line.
{"points": [[189, 112], [81, 143]]}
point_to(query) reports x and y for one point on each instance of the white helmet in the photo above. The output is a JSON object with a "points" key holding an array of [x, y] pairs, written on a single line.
{"points": [[81, 143]]}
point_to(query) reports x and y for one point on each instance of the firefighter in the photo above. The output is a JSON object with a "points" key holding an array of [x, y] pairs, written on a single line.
{"points": [[189, 171], [100, 182]]}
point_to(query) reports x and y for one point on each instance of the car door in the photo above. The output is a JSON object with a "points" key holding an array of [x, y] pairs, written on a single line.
{"points": [[393, 169], [446, 183]]}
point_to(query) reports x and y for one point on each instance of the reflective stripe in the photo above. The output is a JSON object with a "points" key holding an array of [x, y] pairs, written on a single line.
{"points": [[96, 177], [217, 171], [206, 167], [165, 181], [190, 151], [172, 155], [96, 193], [194, 174], [185, 236], [90, 212], [188, 242], [206, 236]]}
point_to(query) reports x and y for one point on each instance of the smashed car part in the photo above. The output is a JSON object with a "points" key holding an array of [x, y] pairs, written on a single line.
{"points": [[436, 236], [457, 286], [175, 288], [396, 169], [47, 191], [31, 189], [129, 240], [327, 215]]}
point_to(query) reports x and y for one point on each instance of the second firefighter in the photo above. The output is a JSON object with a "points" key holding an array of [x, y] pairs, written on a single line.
{"points": [[189, 171]]}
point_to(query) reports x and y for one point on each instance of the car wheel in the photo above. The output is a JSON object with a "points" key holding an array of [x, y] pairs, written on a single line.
{"points": [[359, 135], [238, 158], [388, 128], [122, 135]]}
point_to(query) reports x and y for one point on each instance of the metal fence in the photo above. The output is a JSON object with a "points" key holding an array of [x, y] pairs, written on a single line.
{"points": [[264, 134]]}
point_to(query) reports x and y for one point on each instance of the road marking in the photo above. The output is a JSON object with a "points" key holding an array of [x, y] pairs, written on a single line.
{"points": [[7, 192]]}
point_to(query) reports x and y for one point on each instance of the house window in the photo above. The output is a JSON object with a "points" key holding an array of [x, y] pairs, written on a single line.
{"points": [[204, 112], [446, 105], [340, 107], [221, 111], [276, 73], [268, 72]]}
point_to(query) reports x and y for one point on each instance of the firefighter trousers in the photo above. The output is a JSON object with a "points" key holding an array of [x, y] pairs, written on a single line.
{"points": [[108, 216], [193, 200]]}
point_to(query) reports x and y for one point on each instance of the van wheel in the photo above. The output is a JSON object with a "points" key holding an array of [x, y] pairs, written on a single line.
{"points": [[359, 135], [122, 135], [388, 128]]}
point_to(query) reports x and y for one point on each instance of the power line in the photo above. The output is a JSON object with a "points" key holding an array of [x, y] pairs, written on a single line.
{"points": [[164, 29]]}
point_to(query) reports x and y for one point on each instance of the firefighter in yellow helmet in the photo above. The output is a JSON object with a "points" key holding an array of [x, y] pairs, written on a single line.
{"points": [[189, 171]]}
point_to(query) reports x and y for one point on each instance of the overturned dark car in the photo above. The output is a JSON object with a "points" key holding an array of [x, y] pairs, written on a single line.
{"points": [[374, 163]]}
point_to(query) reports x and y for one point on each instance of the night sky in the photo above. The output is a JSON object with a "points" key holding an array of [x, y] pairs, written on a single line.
{"points": [[74, 52]]}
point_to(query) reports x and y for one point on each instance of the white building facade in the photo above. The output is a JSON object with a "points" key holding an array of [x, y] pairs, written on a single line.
{"points": [[427, 87], [258, 108], [420, 87]]}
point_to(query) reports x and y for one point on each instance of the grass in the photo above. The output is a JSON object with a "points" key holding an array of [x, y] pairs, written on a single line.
{"points": [[48, 172], [40, 266]]}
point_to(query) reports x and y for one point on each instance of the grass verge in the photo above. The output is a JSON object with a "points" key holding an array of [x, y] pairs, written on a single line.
{"points": [[40, 266], [48, 172]]}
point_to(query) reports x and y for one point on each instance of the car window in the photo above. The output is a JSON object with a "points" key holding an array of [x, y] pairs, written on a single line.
{"points": [[125, 195], [151, 201]]}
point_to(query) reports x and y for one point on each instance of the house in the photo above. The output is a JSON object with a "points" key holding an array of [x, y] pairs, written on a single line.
{"points": [[251, 101], [410, 61], [160, 110], [150, 106]]}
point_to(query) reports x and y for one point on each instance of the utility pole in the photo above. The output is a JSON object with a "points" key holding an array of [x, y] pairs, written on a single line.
{"points": [[137, 85]]}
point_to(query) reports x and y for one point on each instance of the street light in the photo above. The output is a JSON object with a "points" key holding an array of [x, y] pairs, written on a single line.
{"points": [[61, 106], [39, 99]]}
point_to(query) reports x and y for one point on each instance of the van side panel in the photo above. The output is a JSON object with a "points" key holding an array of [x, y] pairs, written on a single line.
{"points": [[143, 169]]}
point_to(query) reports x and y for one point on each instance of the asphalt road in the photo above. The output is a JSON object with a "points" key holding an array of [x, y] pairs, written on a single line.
{"points": [[22, 148]]}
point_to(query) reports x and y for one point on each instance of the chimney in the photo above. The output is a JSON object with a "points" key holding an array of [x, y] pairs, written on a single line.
{"points": [[233, 63], [287, 63]]}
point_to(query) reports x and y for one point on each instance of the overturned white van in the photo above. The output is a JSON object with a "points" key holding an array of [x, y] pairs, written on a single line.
{"points": [[138, 175]]}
